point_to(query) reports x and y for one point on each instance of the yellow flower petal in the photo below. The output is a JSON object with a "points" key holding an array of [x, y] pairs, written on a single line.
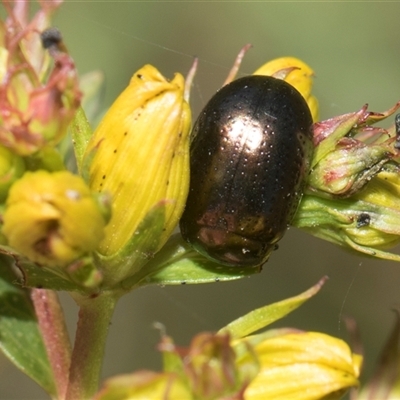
{"points": [[300, 77], [302, 366]]}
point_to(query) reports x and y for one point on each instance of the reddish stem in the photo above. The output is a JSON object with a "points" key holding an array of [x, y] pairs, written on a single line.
{"points": [[55, 336]]}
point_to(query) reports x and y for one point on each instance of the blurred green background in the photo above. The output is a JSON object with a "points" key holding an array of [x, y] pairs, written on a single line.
{"points": [[354, 50]]}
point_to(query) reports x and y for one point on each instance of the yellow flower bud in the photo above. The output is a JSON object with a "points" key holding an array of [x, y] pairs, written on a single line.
{"points": [[140, 155], [301, 366], [52, 218], [298, 74]]}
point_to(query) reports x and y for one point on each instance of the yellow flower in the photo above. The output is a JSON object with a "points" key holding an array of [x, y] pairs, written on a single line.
{"points": [[52, 218], [301, 366], [140, 155], [298, 74]]}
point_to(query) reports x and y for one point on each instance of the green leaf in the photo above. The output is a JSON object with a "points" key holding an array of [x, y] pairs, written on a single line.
{"points": [[261, 317], [177, 263], [20, 338]]}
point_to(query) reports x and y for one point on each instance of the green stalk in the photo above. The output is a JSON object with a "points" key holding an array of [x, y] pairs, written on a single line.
{"points": [[87, 357]]}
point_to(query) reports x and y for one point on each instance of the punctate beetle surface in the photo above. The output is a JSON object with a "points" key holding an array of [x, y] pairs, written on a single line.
{"points": [[250, 153]]}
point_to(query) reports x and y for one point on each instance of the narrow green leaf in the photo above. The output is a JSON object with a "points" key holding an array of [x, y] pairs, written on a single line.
{"points": [[20, 338], [261, 317], [177, 263]]}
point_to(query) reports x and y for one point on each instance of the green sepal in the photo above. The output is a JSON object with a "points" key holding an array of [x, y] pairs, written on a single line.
{"points": [[137, 252], [20, 338], [328, 133], [81, 133], [84, 273], [172, 362], [374, 117], [264, 316]]}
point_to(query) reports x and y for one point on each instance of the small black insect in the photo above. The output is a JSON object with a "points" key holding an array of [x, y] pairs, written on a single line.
{"points": [[250, 153], [363, 220], [51, 37]]}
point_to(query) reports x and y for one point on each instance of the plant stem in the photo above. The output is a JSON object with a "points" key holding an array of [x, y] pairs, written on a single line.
{"points": [[55, 336], [94, 319]]}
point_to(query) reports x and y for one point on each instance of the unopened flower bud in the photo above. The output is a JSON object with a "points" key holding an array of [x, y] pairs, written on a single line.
{"points": [[52, 218], [349, 151], [348, 168], [140, 155], [298, 74]]}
